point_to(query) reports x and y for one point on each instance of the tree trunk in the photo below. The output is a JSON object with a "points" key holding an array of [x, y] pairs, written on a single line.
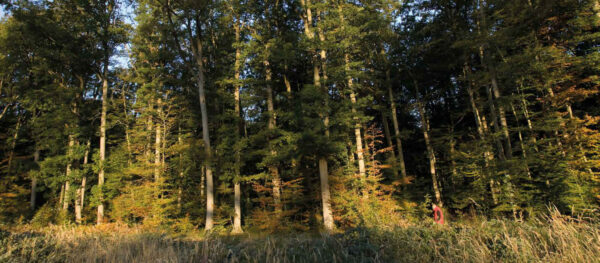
{"points": [[482, 130], [505, 150], [502, 113], [126, 115], [32, 199], [494, 116], [396, 126], [273, 171], [357, 133], [67, 198], [100, 216], [325, 195], [13, 145], [237, 219], [81, 191], [523, 148], [61, 195], [157, 145], [323, 167], [349, 81], [286, 82], [452, 153], [210, 205], [388, 137], [430, 151]]}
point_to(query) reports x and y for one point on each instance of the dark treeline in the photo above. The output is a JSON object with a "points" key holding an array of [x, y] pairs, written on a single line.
{"points": [[297, 114]]}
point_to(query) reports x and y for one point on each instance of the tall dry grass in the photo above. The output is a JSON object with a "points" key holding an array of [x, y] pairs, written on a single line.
{"points": [[554, 238]]}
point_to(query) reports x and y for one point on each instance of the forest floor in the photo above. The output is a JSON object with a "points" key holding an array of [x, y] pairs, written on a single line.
{"points": [[553, 238]]}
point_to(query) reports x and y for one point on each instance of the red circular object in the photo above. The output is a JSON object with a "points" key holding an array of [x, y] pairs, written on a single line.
{"points": [[438, 215]]}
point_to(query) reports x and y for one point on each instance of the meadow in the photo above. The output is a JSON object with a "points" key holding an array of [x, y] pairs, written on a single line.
{"points": [[551, 238]]}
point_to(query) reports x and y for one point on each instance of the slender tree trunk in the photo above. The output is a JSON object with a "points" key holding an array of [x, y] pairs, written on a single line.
{"points": [[210, 205], [482, 130], [81, 191], [286, 82], [126, 115], [351, 148], [502, 113], [523, 148], [100, 216], [323, 166], [505, 150], [61, 195], [357, 132], [158, 144], [13, 145], [396, 127], [273, 171], [452, 152], [237, 219], [325, 196], [32, 199], [349, 83], [67, 198], [430, 152], [495, 123], [528, 119], [388, 137]]}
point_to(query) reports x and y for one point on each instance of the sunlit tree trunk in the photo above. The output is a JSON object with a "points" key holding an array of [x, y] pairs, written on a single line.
{"points": [[210, 205], [100, 216], [237, 219], [67, 198], [357, 132], [430, 152], [502, 115], [157, 144], [323, 167], [79, 200], [357, 126]]}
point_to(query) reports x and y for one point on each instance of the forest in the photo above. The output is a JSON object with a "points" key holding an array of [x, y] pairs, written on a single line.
{"points": [[331, 125]]}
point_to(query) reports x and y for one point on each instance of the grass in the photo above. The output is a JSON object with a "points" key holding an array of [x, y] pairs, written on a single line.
{"points": [[554, 238]]}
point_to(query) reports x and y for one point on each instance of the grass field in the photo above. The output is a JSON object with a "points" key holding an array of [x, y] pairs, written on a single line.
{"points": [[554, 238]]}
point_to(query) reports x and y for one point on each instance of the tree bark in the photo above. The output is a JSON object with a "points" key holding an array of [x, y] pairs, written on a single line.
{"points": [[100, 215], [273, 171], [502, 113], [210, 205], [13, 145], [357, 133], [429, 146], [349, 82], [126, 115], [81, 191], [482, 130], [32, 199], [157, 144], [67, 198], [237, 219], [401, 163], [388, 137], [323, 166]]}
